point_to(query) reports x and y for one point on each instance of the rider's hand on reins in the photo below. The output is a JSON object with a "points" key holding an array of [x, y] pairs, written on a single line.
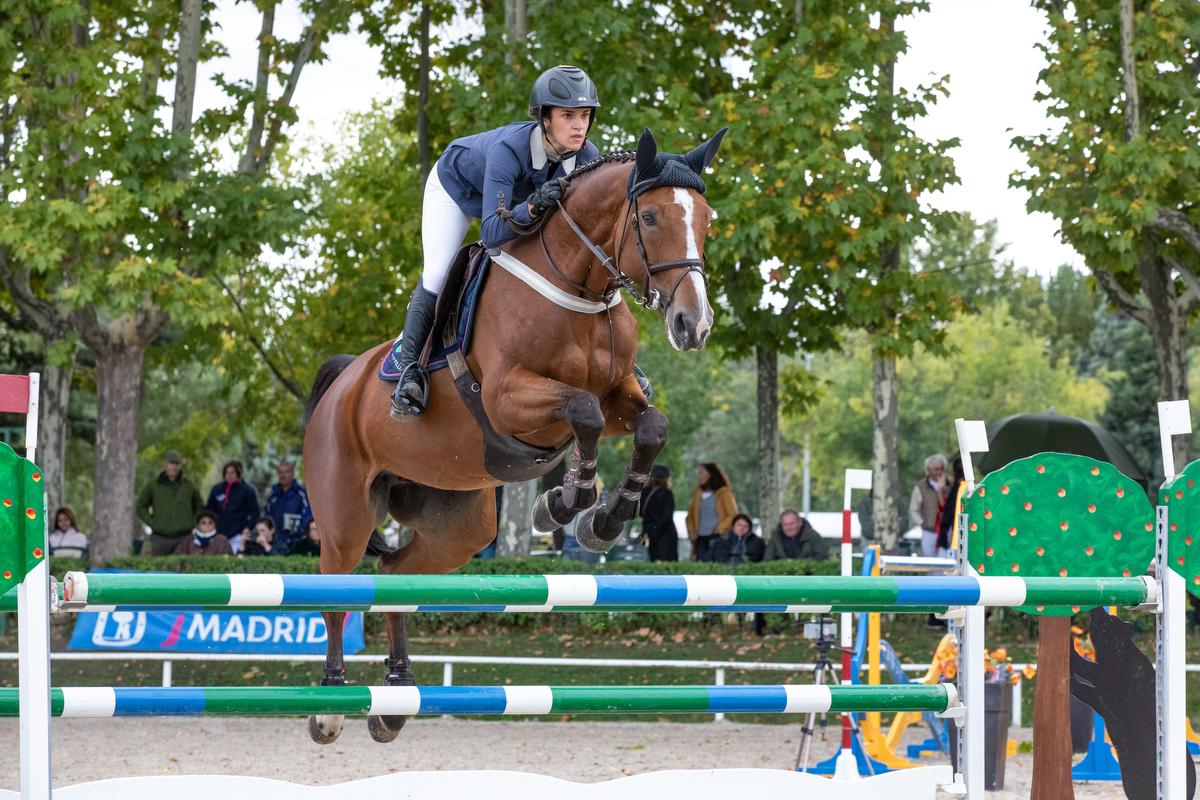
{"points": [[546, 196]]}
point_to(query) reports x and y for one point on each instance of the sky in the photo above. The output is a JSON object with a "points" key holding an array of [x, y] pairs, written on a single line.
{"points": [[985, 46]]}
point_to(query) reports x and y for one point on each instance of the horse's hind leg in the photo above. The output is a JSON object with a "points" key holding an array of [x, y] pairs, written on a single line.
{"points": [[450, 528], [324, 728], [598, 528], [346, 528]]}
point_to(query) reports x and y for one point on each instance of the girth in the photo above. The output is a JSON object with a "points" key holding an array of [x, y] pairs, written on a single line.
{"points": [[504, 457]]}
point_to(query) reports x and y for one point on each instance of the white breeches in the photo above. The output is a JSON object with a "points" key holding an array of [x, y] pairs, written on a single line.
{"points": [[443, 226]]}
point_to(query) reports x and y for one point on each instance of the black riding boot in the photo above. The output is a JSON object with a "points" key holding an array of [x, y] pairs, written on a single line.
{"points": [[412, 390]]}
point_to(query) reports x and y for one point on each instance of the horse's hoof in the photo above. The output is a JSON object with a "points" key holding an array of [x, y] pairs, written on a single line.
{"points": [[384, 729], [590, 539], [544, 520], [324, 729]]}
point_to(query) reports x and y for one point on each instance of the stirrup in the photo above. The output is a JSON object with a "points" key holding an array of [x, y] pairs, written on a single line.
{"points": [[643, 382], [403, 405]]}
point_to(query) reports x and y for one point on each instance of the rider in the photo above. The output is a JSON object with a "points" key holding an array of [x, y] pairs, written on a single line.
{"points": [[508, 177]]}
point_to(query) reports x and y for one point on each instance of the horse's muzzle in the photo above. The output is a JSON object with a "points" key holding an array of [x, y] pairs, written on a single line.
{"points": [[688, 329]]}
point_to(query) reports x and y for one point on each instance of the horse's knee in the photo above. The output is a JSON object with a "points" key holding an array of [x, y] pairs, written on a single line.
{"points": [[651, 429], [584, 415]]}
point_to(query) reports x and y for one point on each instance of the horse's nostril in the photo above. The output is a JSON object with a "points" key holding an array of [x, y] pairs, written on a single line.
{"points": [[679, 325]]}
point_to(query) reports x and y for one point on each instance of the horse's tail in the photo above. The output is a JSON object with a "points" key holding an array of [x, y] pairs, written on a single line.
{"points": [[326, 375]]}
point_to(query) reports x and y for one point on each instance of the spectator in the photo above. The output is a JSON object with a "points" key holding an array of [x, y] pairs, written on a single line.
{"points": [[947, 525], [657, 510], [287, 506], [711, 510], [66, 540], [204, 541], [169, 505], [235, 503], [260, 541], [309, 544], [739, 544], [928, 502], [794, 537]]}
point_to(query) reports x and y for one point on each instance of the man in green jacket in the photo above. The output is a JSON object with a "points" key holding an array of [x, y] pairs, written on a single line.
{"points": [[169, 505]]}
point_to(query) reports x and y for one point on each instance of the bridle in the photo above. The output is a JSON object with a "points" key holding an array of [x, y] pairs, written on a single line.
{"points": [[646, 295]]}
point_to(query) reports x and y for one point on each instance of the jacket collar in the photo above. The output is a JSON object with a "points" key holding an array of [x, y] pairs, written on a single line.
{"points": [[538, 156]]}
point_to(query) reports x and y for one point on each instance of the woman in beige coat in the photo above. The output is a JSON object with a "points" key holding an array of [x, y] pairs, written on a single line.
{"points": [[711, 511]]}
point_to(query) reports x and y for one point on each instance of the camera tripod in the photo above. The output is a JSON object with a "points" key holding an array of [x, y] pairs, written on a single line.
{"points": [[823, 672]]}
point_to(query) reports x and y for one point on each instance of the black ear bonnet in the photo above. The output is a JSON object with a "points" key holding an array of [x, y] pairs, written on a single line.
{"points": [[654, 169]]}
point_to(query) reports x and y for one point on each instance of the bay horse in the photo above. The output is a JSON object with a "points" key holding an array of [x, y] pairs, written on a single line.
{"points": [[546, 375]]}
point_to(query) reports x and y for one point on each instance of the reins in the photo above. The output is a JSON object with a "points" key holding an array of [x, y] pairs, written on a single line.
{"points": [[647, 296]]}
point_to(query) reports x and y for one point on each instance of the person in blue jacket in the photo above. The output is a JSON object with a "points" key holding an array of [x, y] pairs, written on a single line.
{"points": [[287, 506], [506, 177]]}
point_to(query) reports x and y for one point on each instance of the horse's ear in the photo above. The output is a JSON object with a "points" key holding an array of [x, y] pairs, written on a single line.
{"points": [[703, 155], [647, 150]]}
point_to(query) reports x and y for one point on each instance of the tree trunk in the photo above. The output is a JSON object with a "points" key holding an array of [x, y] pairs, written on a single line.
{"points": [[516, 33], [767, 362], [191, 22], [885, 389], [423, 97], [515, 536], [1052, 712], [521, 20], [118, 398], [1169, 327], [1129, 82], [53, 431]]}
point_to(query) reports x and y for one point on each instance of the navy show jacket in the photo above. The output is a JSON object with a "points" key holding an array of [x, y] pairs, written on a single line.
{"points": [[510, 161]]}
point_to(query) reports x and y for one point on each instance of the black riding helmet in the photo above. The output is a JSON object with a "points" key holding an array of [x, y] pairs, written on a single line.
{"points": [[563, 86]]}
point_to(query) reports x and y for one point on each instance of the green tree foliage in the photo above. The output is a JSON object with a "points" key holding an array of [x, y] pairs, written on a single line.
{"points": [[993, 368], [1072, 303], [1122, 353], [850, 172], [693, 390], [126, 204], [973, 260], [1120, 170]]}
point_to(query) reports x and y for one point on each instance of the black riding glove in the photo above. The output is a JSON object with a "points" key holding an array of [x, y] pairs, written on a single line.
{"points": [[546, 196]]}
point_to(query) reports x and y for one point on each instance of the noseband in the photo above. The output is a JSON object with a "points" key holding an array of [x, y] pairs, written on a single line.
{"points": [[646, 295]]}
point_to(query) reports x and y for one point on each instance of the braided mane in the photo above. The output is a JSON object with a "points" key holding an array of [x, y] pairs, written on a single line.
{"points": [[611, 157]]}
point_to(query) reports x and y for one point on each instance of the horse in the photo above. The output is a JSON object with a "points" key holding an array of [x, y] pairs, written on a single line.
{"points": [[545, 376]]}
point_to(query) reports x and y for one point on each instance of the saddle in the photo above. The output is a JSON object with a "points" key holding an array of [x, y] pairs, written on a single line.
{"points": [[505, 458]]}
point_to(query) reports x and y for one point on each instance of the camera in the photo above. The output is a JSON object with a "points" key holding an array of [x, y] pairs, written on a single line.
{"points": [[821, 630]]}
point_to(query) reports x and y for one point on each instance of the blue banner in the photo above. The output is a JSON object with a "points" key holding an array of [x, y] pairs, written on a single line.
{"points": [[188, 631], [198, 631]]}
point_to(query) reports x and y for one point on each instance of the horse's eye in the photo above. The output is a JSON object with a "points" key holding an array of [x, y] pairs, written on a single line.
{"points": [[648, 218]]}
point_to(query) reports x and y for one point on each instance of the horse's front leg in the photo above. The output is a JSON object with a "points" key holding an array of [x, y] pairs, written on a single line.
{"points": [[532, 402], [598, 528]]}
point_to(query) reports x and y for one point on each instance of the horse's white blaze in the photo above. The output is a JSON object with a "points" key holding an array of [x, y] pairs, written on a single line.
{"points": [[705, 318], [685, 199]]}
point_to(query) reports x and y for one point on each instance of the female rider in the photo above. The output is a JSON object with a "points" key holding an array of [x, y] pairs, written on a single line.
{"points": [[513, 169]]}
